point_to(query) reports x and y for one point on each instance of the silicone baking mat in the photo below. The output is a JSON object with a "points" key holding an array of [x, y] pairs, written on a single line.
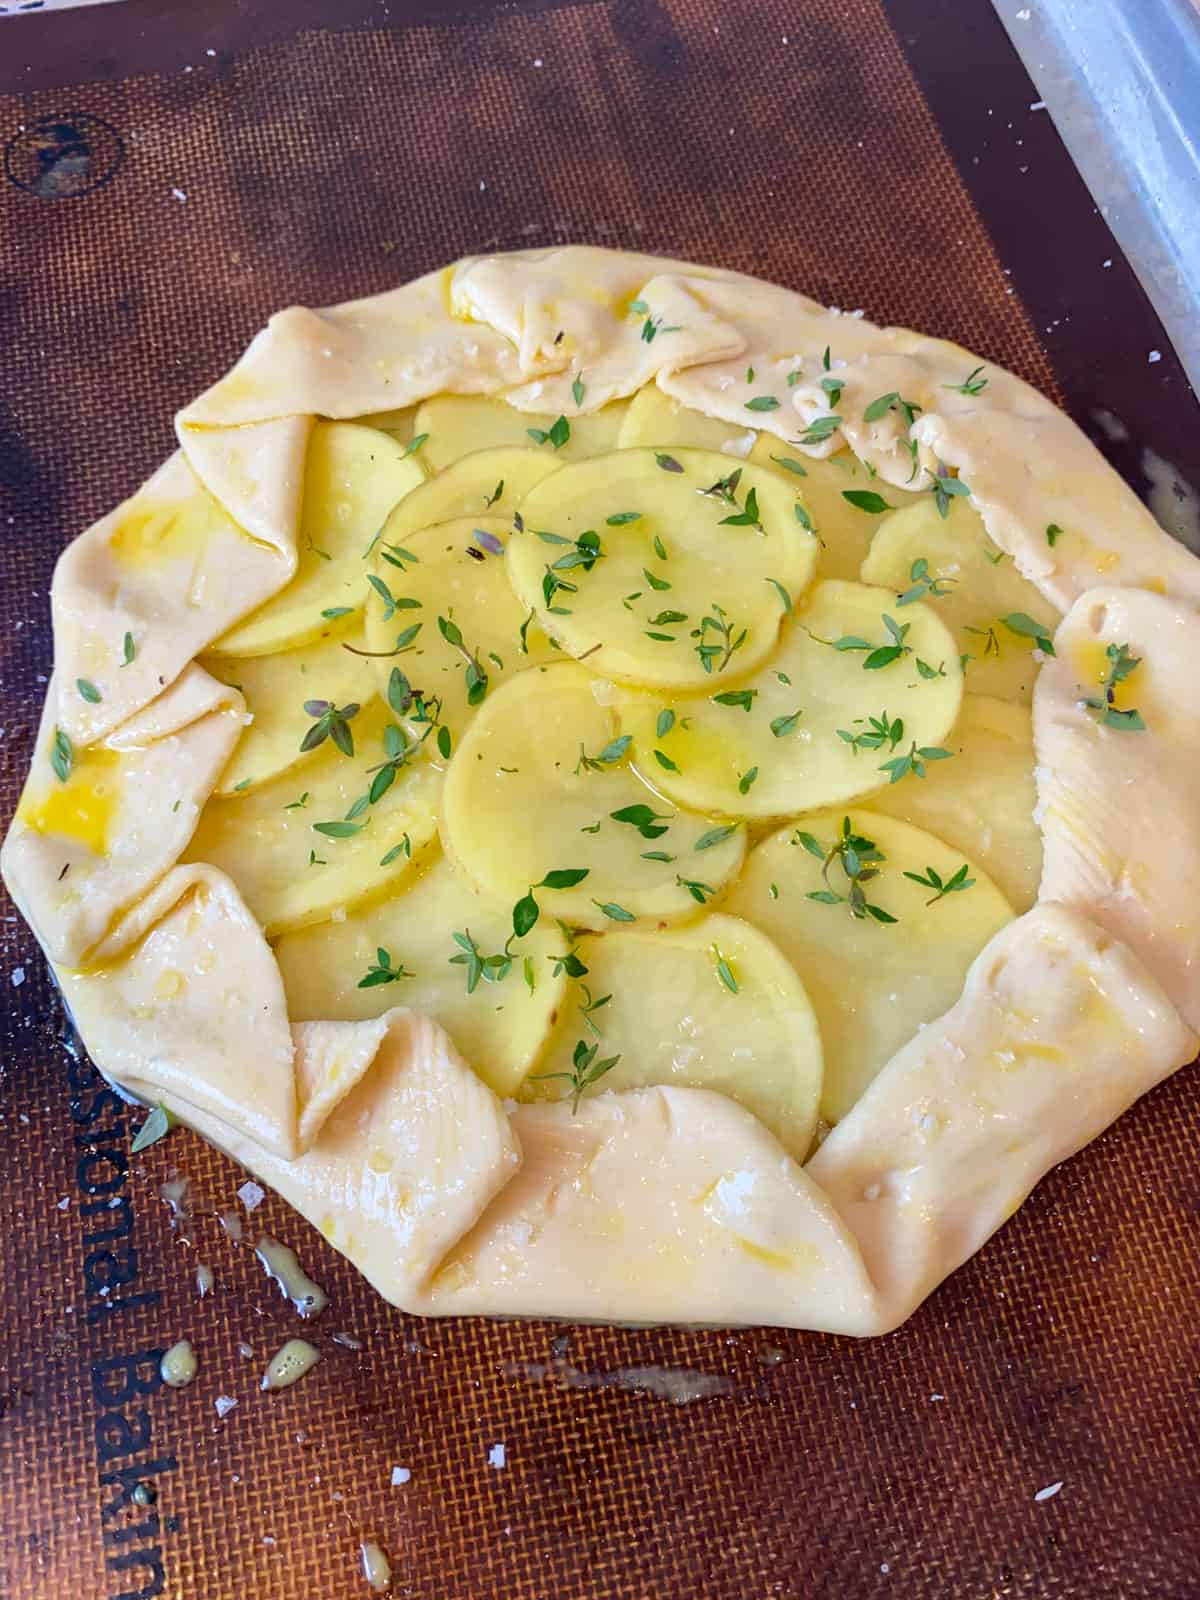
{"points": [[171, 176]]}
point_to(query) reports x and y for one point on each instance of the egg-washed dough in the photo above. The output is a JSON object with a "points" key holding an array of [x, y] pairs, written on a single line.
{"points": [[649, 1203]]}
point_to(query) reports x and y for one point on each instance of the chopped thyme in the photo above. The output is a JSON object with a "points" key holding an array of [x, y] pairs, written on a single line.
{"points": [[156, 1126], [973, 385], [404, 848], [701, 893], [298, 805], [612, 753], [578, 390], [476, 676], [649, 823], [62, 755], [900, 766], [724, 970], [666, 462], [944, 488], [88, 691], [867, 500], [716, 835], [620, 519], [492, 969], [332, 613], [556, 434], [717, 641], [666, 721], [881, 730], [390, 604], [1053, 534], [128, 649], [588, 1007], [338, 830], [790, 464], [785, 598], [860, 859], [764, 402], [413, 445], [742, 699], [665, 761], [1027, 628], [819, 430], [747, 780], [782, 726], [613, 912]]}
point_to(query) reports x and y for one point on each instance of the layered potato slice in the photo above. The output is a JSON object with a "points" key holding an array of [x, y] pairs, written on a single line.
{"points": [[790, 737], [873, 981], [667, 569], [653, 419], [275, 689], [539, 784], [471, 631], [982, 802], [498, 1019], [710, 1006], [353, 477], [978, 592], [844, 503], [308, 844], [451, 426], [489, 482]]}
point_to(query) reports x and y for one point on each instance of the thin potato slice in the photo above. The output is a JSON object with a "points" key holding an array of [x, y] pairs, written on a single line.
{"points": [[453, 595], [275, 689], [672, 1018], [843, 526], [291, 873], [499, 1026], [487, 483], [352, 478], [655, 420], [785, 753], [661, 569], [531, 790], [872, 984], [982, 802], [457, 424], [981, 586]]}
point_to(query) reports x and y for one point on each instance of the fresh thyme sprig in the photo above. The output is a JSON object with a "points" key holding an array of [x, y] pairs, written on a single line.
{"points": [[557, 434], [932, 879], [859, 859], [612, 755], [717, 640], [945, 488], [881, 730], [383, 970], [585, 1070], [333, 723], [900, 766], [922, 586], [476, 675], [1120, 665]]}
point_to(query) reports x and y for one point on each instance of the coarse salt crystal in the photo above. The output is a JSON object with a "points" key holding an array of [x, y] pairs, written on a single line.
{"points": [[224, 1404], [400, 1475], [178, 194], [252, 1195], [497, 1456], [17, 977], [1155, 355], [1048, 1492], [64, 1202]]}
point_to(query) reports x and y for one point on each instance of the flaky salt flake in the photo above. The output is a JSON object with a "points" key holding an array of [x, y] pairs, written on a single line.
{"points": [[252, 1195], [1155, 355], [224, 1404], [1048, 1492], [400, 1475], [178, 194], [17, 977], [497, 1456], [1037, 105]]}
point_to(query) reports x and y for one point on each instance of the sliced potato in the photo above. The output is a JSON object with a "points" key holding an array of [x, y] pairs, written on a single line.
{"points": [[457, 424], [398, 422], [981, 802], [266, 838], [655, 420], [353, 477], [983, 586], [844, 528], [642, 601], [784, 754], [673, 1020], [446, 588], [499, 1027], [521, 801], [275, 688], [487, 483], [871, 984]]}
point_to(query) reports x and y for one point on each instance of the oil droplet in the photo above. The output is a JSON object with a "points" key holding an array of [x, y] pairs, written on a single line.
{"points": [[232, 1224], [204, 1280], [377, 1569], [178, 1365], [82, 808], [169, 984], [176, 1193], [289, 1365], [281, 1267]]}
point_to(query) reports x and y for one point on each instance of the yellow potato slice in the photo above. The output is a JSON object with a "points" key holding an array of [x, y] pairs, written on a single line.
{"points": [[871, 984], [398, 422], [982, 587], [785, 754], [672, 1019], [487, 483], [352, 478], [521, 801], [457, 424], [445, 589], [500, 1026], [655, 420], [844, 528], [275, 689], [266, 838], [646, 606], [981, 802]]}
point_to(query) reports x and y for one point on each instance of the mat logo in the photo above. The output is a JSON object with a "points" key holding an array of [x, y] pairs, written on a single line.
{"points": [[129, 1462], [63, 155]]}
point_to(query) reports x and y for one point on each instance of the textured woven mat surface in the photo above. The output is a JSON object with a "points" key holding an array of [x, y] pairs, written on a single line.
{"points": [[169, 180]]}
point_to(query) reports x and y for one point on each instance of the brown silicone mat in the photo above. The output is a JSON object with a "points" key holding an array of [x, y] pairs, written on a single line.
{"points": [[172, 175]]}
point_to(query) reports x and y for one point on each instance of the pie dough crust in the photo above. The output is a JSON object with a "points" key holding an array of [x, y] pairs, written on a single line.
{"points": [[658, 1204]]}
